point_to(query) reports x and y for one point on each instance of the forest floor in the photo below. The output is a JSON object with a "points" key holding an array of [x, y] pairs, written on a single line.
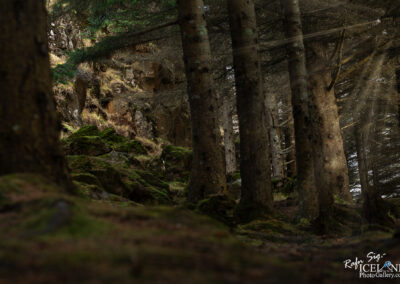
{"points": [[142, 232]]}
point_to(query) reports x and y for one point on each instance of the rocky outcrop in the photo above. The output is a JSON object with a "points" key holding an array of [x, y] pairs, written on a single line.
{"points": [[137, 91]]}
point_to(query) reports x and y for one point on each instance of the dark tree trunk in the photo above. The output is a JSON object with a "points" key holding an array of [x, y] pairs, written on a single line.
{"points": [[398, 92], [300, 99], [255, 168], [330, 163], [29, 124], [375, 209], [208, 169]]}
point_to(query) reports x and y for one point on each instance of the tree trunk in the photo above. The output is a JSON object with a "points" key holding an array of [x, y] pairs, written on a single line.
{"points": [[208, 169], [398, 92], [277, 158], [29, 133], [290, 146], [375, 209], [361, 161], [255, 168], [229, 137], [300, 99], [332, 164]]}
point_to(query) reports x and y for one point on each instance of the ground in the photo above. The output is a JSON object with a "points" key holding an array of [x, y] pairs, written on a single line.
{"points": [[134, 227]]}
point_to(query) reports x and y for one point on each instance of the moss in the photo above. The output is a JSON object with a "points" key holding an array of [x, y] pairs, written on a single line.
{"points": [[132, 146], [17, 187], [145, 191], [108, 176], [176, 163], [153, 179], [60, 218], [177, 153], [90, 130], [111, 136], [220, 207], [86, 145], [86, 178]]}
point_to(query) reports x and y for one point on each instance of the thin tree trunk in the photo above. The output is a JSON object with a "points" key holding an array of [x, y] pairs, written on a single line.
{"points": [[290, 139], [277, 158], [361, 161], [29, 133], [229, 137], [255, 168], [300, 99], [208, 169], [398, 92]]}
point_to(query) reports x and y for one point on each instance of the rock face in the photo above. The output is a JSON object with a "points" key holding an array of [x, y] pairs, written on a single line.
{"points": [[136, 91]]}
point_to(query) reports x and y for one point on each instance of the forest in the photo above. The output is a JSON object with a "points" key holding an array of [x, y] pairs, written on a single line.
{"points": [[199, 141]]}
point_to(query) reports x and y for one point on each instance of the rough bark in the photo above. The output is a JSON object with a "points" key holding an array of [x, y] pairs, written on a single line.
{"points": [[398, 92], [290, 146], [256, 199], [277, 158], [208, 168], [332, 164], [29, 133], [375, 209], [229, 137], [300, 99]]}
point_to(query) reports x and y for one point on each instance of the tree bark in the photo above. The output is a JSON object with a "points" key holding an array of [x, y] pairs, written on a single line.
{"points": [[277, 158], [398, 92], [332, 164], [255, 167], [300, 100], [229, 137], [290, 145], [208, 170], [29, 133], [375, 209]]}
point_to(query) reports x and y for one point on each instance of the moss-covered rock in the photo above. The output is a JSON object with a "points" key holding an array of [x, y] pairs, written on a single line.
{"points": [[87, 178], [176, 162], [111, 136], [89, 130], [90, 141], [131, 146], [139, 186], [86, 145], [220, 207]]}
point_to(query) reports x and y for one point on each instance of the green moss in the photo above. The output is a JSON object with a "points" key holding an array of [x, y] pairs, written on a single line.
{"points": [[86, 145], [177, 162], [15, 187], [87, 178], [143, 188], [110, 135], [60, 218], [220, 207], [132, 146], [175, 152], [152, 179], [90, 130]]}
